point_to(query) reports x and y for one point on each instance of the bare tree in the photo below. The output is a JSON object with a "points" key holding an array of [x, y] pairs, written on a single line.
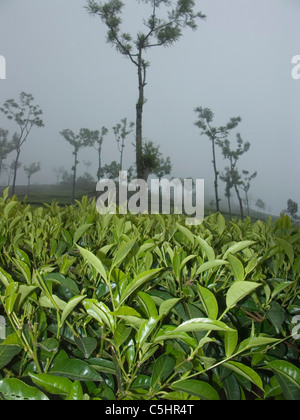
{"points": [[216, 135], [163, 27], [26, 115], [30, 170]]}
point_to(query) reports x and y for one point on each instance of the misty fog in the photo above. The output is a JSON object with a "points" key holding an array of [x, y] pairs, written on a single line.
{"points": [[238, 63]]}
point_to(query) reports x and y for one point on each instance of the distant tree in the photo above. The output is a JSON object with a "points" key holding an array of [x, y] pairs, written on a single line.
{"points": [[59, 173], [97, 145], [85, 138], [30, 170], [246, 185], [233, 155], [161, 29], [6, 147], [112, 171], [260, 205], [121, 131], [11, 170], [292, 209], [215, 135], [227, 178], [26, 115], [87, 164], [153, 162]]}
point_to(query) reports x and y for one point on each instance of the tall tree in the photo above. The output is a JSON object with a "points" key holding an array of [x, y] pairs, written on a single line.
{"points": [[216, 135], [26, 115], [85, 138], [6, 147], [292, 208], [30, 170], [233, 155], [121, 131], [246, 185], [163, 27], [97, 145]]}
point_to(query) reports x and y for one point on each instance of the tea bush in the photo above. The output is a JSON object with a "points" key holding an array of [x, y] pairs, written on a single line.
{"points": [[143, 307]]}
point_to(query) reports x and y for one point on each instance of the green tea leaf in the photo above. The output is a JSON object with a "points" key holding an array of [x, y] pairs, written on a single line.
{"points": [[239, 291], [209, 302], [202, 324], [14, 389], [199, 389], [288, 377], [94, 261], [52, 384], [138, 282], [163, 368], [245, 372], [76, 370], [71, 305], [237, 268]]}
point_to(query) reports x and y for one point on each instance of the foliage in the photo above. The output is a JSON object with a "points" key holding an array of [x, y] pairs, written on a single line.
{"points": [[26, 115], [162, 27], [139, 307]]}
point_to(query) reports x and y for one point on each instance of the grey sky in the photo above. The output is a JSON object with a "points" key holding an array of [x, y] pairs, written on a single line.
{"points": [[238, 63]]}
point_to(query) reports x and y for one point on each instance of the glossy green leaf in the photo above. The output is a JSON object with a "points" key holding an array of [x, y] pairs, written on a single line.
{"points": [[202, 324], [76, 370], [122, 252], [237, 268], [138, 282], [7, 353], [14, 389], [240, 246], [162, 369], [76, 392], [207, 249], [148, 304], [288, 377], [100, 312], [209, 302], [87, 345], [210, 265], [94, 261], [52, 384], [81, 231], [167, 306], [146, 329], [245, 372], [71, 305], [231, 341], [239, 291], [199, 389]]}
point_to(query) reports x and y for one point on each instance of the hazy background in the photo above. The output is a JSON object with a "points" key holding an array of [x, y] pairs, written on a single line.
{"points": [[238, 63]]}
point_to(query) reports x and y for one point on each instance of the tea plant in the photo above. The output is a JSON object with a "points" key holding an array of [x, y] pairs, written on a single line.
{"points": [[142, 307]]}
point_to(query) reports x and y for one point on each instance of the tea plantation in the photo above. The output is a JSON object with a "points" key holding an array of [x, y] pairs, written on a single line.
{"points": [[146, 308]]}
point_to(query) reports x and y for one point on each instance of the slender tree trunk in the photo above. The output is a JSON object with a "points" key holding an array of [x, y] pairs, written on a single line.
{"points": [[74, 176], [240, 201], [15, 171], [216, 175], [28, 185], [99, 174], [229, 206], [139, 121]]}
